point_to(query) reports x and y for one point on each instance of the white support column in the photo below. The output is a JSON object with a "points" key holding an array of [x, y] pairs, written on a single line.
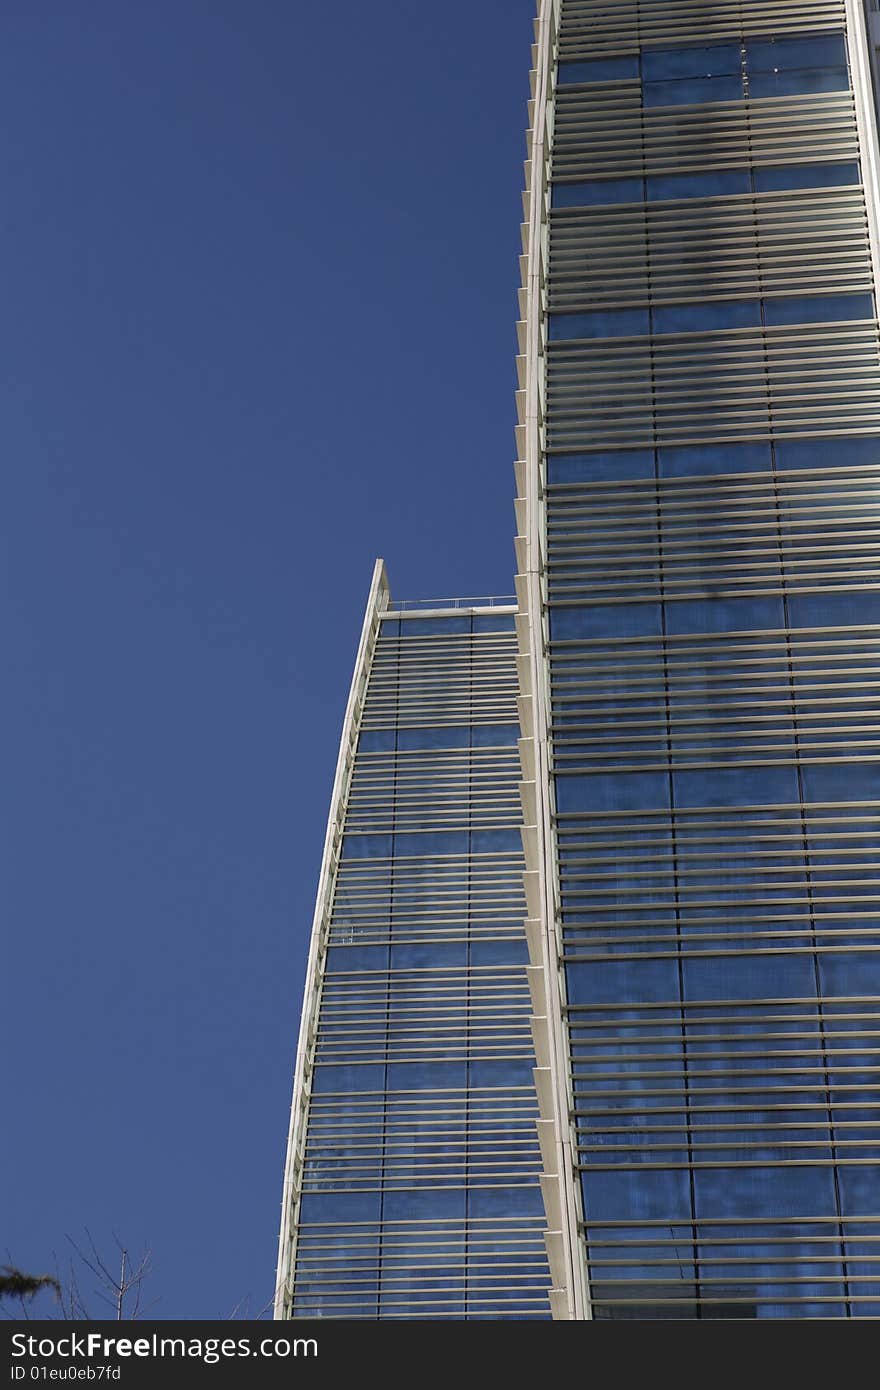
{"points": [[863, 33], [377, 602], [568, 1297]]}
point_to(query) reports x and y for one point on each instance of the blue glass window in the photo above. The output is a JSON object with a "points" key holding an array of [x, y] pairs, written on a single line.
{"points": [[345, 958], [377, 741], [443, 1204], [819, 308], [514, 1071], [493, 1202], [426, 1076], [494, 735], [597, 192], [509, 952], [724, 615], [860, 1194], [598, 70], [602, 323], [788, 66], [803, 51], [699, 318], [827, 453], [496, 841], [736, 786], [657, 1195], [789, 84], [433, 627], [351, 1077], [762, 976], [336, 1207], [411, 739], [849, 781], [790, 176], [834, 610], [423, 955], [493, 622], [852, 975], [607, 620], [622, 982], [366, 847], [710, 60], [431, 842], [722, 183], [692, 91], [599, 468], [709, 459], [753, 1192], [612, 791]]}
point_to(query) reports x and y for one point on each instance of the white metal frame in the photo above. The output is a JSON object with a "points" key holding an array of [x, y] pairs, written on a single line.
{"points": [[568, 1295], [377, 603]]}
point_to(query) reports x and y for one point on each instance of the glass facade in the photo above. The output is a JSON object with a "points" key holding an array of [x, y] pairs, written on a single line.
{"points": [[608, 861], [414, 1190], [705, 479]]}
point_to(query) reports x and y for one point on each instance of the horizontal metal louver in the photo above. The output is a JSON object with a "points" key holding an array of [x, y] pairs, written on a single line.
{"points": [[604, 132], [811, 242], [620, 26], [691, 388]]}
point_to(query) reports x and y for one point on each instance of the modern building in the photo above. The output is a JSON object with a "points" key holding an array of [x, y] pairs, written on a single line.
{"points": [[413, 1169], [697, 638]]}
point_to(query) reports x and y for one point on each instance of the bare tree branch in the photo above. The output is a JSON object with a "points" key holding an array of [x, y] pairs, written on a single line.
{"points": [[242, 1310], [121, 1292]]}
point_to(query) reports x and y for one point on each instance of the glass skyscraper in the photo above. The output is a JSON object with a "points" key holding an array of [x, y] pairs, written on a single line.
{"points": [[693, 668], [413, 1185]]}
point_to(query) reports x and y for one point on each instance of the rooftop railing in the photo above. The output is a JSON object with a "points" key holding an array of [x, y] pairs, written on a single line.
{"points": [[422, 604]]}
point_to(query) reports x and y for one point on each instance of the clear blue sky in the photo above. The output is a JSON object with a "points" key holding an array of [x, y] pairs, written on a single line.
{"points": [[259, 270]]}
